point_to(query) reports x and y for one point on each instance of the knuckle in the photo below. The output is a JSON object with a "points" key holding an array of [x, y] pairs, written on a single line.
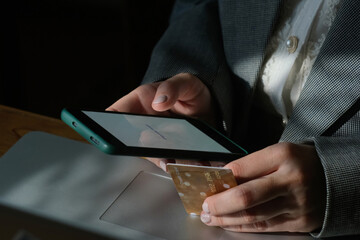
{"points": [[299, 182], [299, 179], [288, 149], [166, 87], [187, 76], [271, 182], [248, 217], [145, 90], [244, 195], [261, 226], [235, 167], [166, 83], [220, 221]]}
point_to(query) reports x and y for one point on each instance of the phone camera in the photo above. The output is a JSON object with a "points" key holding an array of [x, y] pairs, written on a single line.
{"points": [[74, 124]]}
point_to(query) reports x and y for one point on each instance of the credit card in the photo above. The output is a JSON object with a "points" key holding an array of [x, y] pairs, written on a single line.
{"points": [[195, 183]]}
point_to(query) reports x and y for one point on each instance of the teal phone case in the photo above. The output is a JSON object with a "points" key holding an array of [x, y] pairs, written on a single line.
{"points": [[86, 133]]}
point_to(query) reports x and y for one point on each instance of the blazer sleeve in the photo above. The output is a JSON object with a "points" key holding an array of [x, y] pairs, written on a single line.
{"points": [[193, 44], [340, 157]]}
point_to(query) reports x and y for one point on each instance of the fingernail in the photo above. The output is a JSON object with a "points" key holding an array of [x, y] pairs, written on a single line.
{"points": [[205, 207], [163, 165], [205, 218], [160, 99]]}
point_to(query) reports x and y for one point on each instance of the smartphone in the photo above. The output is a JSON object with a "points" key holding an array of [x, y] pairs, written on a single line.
{"points": [[151, 136]]}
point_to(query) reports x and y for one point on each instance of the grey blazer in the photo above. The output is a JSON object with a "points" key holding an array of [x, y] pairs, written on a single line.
{"points": [[223, 43]]}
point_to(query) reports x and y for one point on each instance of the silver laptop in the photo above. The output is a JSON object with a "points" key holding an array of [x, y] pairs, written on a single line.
{"points": [[114, 196]]}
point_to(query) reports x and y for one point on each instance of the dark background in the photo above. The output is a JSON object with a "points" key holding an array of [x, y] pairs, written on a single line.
{"points": [[75, 53]]}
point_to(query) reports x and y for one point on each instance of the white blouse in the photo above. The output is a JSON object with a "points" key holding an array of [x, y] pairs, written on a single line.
{"points": [[293, 49]]}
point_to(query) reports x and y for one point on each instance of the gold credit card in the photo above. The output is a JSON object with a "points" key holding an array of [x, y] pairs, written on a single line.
{"points": [[195, 183]]}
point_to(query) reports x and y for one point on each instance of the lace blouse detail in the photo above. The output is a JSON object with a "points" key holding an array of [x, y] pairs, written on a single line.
{"points": [[294, 81]]}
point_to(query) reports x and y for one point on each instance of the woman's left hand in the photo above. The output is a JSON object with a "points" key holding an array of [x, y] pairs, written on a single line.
{"points": [[281, 188]]}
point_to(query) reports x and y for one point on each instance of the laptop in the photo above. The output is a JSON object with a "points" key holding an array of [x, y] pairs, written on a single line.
{"points": [[119, 197]]}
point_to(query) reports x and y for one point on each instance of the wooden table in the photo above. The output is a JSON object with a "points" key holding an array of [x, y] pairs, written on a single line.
{"points": [[14, 124]]}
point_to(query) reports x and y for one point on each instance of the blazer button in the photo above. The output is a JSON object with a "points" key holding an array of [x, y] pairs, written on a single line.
{"points": [[292, 44]]}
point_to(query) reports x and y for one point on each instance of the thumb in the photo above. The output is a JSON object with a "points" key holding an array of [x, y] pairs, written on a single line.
{"points": [[169, 92]]}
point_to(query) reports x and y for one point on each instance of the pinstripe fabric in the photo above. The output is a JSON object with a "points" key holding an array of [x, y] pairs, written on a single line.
{"points": [[340, 159], [245, 34], [331, 89], [334, 82], [223, 42], [246, 28]]}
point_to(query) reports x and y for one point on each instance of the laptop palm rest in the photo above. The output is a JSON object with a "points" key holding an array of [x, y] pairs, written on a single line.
{"points": [[150, 204]]}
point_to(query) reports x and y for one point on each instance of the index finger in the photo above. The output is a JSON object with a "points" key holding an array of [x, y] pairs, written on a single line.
{"points": [[245, 196], [256, 165], [137, 101]]}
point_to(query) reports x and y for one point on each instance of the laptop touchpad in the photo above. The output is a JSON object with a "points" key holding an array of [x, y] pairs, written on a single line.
{"points": [[150, 204]]}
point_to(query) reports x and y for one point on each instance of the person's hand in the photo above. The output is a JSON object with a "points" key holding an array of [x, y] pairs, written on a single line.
{"points": [[183, 94], [281, 188]]}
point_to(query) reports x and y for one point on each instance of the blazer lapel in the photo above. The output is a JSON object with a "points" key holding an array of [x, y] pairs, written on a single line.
{"points": [[246, 27], [333, 86]]}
